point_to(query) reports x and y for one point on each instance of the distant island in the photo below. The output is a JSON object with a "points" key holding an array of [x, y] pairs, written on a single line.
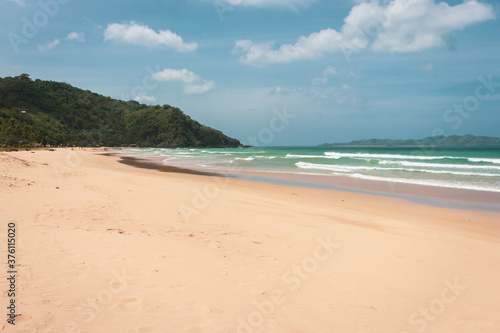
{"points": [[432, 141], [36, 112]]}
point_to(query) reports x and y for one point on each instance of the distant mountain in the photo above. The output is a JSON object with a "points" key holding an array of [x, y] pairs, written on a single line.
{"points": [[434, 141], [56, 113]]}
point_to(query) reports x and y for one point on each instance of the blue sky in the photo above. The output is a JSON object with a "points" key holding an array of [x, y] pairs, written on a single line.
{"points": [[286, 72]]}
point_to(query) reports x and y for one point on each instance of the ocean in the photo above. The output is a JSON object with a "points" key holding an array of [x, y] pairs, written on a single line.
{"points": [[465, 168]]}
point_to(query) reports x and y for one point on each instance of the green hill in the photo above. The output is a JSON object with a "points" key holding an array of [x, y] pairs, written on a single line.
{"points": [[48, 112], [434, 141]]}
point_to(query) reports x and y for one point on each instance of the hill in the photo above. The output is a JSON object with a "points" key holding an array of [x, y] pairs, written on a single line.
{"points": [[48, 112], [434, 141]]}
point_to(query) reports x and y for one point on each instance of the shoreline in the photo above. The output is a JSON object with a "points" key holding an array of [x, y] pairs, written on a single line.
{"points": [[102, 246], [432, 196]]}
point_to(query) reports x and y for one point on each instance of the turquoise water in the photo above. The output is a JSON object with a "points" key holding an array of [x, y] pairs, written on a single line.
{"points": [[474, 169]]}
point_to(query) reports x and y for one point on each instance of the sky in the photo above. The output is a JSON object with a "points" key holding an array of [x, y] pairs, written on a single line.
{"points": [[274, 72]]}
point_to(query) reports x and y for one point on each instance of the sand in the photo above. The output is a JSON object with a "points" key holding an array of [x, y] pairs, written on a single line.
{"points": [[105, 247]]}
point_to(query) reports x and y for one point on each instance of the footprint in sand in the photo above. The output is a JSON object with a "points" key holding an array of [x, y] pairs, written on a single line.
{"points": [[131, 305]]}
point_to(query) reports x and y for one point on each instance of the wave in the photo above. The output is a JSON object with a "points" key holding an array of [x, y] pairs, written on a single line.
{"points": [[245, 159], [393, 156], [231, 152], [435, 183], [369, 156], [488, 160], [350, 169], [439, 165], [310, 156]]}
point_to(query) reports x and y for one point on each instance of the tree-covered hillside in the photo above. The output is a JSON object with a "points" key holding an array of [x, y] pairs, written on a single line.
{"points": [[48, 112]]}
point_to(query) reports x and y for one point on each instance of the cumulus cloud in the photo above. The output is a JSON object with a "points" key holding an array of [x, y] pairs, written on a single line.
{"points": [[388, 26], [175, 75], [141, 98], [425, 24], [72, 36], [194, 89], [142, 35], [306, 48], [49, 46], [193, 84], [76, 36]]}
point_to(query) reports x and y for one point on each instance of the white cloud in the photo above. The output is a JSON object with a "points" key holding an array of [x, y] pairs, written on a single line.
{"points": [[193, 84], [387, 26], [425, 24], [141, 98], [49, 46], [194, 89], [306, 48], [174, 75], [76, 36], [142, 35]]}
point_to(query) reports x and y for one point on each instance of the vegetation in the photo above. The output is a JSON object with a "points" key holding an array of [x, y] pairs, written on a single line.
{"points": [[435, 141], [55, 113]]}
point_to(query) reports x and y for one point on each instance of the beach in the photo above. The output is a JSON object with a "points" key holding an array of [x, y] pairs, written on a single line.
{"points": [[102, 246]]}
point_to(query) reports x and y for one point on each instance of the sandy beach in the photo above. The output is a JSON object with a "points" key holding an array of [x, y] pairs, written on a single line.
{"points": [[101, 246]]}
